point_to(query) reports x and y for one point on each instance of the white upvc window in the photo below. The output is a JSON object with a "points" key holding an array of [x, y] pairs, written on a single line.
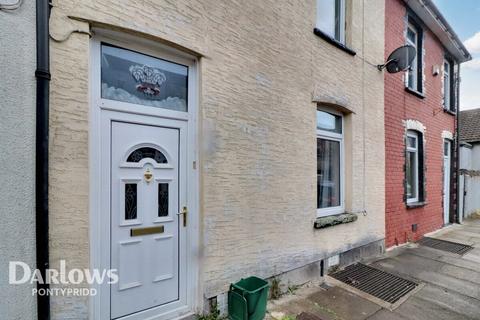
{"points": [[412, 166], [412, 73], [446, 84], [330, 163], [331, 18]]}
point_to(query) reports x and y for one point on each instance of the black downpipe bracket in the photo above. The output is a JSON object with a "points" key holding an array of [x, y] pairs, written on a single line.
{"points": [[42, 74]]}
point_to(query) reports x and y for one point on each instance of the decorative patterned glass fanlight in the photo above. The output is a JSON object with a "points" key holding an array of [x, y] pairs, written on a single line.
{"points": [[140, 79], [149, 79]]}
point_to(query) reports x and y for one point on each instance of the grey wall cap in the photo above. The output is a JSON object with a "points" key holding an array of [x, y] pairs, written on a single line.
{"points": [[329, 221]]}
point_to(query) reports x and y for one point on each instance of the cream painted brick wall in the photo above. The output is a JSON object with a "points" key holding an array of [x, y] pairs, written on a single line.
{"points": [[69, 220], [262, 67]]}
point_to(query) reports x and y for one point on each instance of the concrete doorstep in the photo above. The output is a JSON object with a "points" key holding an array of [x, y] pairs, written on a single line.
{"points": [[449, 286]]}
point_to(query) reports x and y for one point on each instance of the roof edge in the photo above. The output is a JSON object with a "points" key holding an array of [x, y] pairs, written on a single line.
{"points": [[428, 12]]}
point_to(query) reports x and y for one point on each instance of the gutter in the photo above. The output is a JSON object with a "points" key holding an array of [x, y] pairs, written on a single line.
{"points": [[42, 74], [448, 29], [428, 12]]}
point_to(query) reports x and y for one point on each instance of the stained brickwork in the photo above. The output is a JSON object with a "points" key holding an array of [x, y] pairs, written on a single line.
{"points": [[400, 106]]}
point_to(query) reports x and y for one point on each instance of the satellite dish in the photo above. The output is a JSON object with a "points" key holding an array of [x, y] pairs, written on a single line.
{"points": [[399, 60]]}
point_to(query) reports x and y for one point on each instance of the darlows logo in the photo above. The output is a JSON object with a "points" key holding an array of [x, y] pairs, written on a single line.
{"points": [[20, 273]]}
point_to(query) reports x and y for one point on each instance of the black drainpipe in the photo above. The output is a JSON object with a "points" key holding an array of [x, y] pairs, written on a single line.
{"points": [[457, 138], [42, 74]]}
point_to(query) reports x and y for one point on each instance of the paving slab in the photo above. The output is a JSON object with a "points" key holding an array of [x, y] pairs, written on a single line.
{"points": [[332, 304], [434, 276], [387, 315], [450, 285], [343, 304], [473, 255], [459, 303], [457, 237], [435, 265], [416, 308], [448, 259], [461, 273]]}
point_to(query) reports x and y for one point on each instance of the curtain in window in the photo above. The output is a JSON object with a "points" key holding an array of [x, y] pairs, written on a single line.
{"points": [[328, 173]]}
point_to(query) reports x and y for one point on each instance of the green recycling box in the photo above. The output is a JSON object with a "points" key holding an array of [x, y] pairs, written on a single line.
{"points": [[247, 299]]}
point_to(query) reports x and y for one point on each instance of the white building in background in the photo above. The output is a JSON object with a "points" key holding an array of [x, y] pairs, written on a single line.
{"points": [[469, 162], [17, 156]]}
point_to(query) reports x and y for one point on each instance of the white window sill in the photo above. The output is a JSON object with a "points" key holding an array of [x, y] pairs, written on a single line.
{"points": [[330, 211], [416, 204]]}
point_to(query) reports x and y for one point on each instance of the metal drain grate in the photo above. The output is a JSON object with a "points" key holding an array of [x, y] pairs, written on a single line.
{"points": [[378, 283], [444, 245]]}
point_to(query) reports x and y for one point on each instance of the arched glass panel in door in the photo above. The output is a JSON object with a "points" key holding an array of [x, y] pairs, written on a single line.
{"points": [[147, 152]]}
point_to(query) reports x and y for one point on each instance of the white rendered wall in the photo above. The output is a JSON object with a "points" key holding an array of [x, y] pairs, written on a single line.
{"points": [[470, 182], [17, 143]]}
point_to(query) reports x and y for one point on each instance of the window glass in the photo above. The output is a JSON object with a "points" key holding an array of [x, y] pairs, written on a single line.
{"points": [[330, 18], [328, 173], [163, 199], [411, 142], [130, 201], [412, 36], [329, 122], [412, 166], [146, 152], [446, 84], [133, 77], [411, 175], [412, 74]]}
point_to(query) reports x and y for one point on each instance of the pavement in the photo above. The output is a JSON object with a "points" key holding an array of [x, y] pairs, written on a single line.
{"points": [[450, 286]]}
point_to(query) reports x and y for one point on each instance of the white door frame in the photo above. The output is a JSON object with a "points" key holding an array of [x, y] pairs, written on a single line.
{"points": [[446, 184], [99, 175]]}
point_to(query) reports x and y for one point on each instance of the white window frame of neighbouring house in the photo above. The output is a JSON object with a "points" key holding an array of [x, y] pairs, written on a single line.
{"points": [[332, 133], [414, 74], [414, 150], [448, 85], [331, 18]]}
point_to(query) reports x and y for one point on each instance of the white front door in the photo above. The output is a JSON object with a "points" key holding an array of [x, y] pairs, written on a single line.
{"points": [[446, 181], [148, 191]]}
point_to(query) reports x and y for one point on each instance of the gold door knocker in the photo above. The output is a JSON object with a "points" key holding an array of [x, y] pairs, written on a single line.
{"points": [[148, 175]]}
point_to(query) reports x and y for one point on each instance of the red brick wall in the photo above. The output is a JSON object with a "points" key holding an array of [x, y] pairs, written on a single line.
{"points": [[401, 105]]}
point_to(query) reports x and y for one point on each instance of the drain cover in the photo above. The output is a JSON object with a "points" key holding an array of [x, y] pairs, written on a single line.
{"points": [[444, 245], [378, 283]]}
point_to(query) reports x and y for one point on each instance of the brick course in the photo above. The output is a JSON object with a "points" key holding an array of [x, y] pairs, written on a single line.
{"points": [[401, 105]]}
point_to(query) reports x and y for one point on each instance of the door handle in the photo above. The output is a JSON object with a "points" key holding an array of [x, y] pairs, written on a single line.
{"points": [[184, 213]]}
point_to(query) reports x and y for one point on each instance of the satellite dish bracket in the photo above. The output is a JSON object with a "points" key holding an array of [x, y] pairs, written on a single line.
{"points": [[399, 60], [380, 67]]}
